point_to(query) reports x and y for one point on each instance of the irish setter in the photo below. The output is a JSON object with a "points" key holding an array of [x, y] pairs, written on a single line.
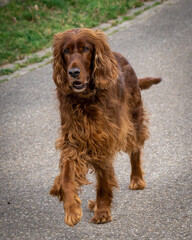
{"points": [[101, 114]]}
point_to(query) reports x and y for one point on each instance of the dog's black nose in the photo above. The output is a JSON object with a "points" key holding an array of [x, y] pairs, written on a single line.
{"points": [[74, 72]]}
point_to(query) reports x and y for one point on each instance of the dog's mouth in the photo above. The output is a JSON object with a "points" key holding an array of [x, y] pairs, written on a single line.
{"points": [[79, 86]]}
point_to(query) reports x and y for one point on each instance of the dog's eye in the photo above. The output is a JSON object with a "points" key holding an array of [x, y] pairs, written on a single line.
{"points": [[66, 51], [85, 49]]}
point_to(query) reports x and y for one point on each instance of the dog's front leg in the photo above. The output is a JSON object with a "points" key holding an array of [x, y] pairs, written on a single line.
{"points": [[102, 206], [71, 201], [65, 188]]}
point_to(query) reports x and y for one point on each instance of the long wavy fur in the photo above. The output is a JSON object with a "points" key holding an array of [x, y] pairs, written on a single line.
{"points": [[108, 119]]}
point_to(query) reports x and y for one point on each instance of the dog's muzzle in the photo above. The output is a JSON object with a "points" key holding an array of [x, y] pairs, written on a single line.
{"points": [[79, 86]]}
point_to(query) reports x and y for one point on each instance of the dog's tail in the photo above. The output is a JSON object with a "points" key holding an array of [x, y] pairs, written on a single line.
{"points": [[145, 83]]}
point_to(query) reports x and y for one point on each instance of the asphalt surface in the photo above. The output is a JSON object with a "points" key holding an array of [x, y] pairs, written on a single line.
{"points": [[156, 45]]}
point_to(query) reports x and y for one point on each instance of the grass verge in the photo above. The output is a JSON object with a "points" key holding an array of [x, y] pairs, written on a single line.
{"points": [[34, 59], [28, 26]]}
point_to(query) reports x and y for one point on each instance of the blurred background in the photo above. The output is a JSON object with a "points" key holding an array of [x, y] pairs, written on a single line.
{"points": [[27, 26]]}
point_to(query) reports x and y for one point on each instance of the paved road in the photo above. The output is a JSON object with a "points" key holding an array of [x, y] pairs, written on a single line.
{"points": [[160, 45]]}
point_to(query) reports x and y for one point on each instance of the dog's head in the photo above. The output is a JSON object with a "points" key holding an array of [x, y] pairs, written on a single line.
{"points": [[83, 61]]}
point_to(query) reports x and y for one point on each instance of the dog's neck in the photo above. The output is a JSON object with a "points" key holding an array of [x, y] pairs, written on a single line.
{"points": [[83, 98]]}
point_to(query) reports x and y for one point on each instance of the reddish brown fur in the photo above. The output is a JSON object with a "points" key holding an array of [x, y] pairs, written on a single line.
{"points": [[101, 113]]}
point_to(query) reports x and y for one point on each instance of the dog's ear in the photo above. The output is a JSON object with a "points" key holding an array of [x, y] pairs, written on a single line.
{"points": [[59, 68], [105, 70]]}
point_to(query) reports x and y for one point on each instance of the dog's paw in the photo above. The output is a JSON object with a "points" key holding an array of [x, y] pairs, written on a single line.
{"points": [[73, 217], [137, 183], [73, 212], [101, 216]]}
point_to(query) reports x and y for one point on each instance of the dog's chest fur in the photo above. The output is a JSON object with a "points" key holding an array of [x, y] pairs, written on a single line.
{"points": [[94, 127]]}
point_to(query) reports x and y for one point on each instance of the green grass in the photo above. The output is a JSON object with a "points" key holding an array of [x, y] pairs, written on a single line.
{"points": [[3, 80], [34, 59], [6, 71], [28, 26]]}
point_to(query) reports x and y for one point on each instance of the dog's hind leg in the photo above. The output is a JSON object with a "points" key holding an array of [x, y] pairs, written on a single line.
{"points": [[136, 181]]}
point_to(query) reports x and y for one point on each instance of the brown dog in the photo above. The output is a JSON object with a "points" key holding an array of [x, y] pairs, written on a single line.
{"points": [[101, 113]]}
